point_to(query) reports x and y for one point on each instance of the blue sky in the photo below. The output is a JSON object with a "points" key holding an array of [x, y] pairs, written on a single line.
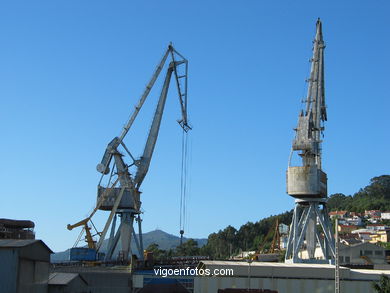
{"points": [[71, 72]]}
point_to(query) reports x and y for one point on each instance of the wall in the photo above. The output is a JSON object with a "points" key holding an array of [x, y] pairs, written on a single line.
{"points": [[354, 253], [8, 270], [212, 284]]}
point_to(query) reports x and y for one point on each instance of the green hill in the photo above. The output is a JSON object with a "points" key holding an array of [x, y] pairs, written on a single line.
{"points": [[250, 235], [375, 196]]}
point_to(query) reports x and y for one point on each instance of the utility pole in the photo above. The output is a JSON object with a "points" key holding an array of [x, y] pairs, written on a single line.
{"points": [[249, 273], [336, 261]]}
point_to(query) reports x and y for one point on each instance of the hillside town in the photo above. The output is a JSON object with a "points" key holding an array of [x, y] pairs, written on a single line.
{"points": [[364, 238]]}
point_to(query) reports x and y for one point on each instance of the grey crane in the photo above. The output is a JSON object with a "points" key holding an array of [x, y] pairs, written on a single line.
{"points": [[308, 183], [121, 194]]}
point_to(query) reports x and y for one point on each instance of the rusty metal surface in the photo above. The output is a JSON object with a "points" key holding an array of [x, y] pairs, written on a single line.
{"points": [[126, 202], [306, 181], [16, 223]]}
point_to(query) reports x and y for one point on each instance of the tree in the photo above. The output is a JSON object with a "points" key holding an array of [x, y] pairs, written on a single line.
{"points": [[374, 196], [159, 254], [383, 286], [188, 248], [338, 201]]}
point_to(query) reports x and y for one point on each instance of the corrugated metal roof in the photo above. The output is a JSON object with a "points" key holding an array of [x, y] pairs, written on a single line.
{"points": [[284, 270], [16, 242], [10, 243], [61, 278], [265, 264]]}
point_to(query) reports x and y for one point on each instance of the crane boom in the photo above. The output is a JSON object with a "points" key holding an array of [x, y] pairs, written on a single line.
{"points": [[103, 166], [154, 130], [145, 94]]}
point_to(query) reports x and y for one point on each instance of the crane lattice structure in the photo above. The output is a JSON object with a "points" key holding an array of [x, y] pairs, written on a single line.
{"points": [[120, 195], [308, 183]]}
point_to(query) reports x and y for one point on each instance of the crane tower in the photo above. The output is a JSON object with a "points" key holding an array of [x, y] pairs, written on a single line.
{"points": [[308, 183]]}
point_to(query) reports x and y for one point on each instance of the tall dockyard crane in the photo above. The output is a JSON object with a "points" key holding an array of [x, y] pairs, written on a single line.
{"points": [[308, 183], [124, 200]]}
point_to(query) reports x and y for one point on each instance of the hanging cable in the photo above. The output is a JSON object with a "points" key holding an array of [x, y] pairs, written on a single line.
{"points": [[183, 183]]}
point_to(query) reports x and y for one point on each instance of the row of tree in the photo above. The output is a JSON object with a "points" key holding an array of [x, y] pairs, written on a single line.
{"points": [[375, 196], [251, 236]]}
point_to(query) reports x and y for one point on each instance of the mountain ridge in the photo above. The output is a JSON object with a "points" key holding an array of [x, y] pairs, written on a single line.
{"points": [[164, 240]]}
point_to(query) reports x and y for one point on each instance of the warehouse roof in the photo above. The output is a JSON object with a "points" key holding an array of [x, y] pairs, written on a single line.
{"points": [[289, 271], [31, 249], [15, 243], [63, 278]]}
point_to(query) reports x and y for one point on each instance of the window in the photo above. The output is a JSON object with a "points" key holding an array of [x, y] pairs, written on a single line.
{"points": [[368, 252], [341, 258], [378, 252], [347, 259]]}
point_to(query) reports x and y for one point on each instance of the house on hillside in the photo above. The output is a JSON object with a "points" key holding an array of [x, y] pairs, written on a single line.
{"points": [[385, 216], [373, 216], [364, 234], [338, 214], [355, 214], [380, 236], [377, 227], [372, 213], [350, 239], [344, 229], [353, 220]]}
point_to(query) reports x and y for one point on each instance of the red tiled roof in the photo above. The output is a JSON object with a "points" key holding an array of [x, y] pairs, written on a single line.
{"points": [[338, 213]]}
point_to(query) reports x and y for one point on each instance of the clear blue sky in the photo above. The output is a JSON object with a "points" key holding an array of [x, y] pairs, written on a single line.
{"points": [[71, 72]]}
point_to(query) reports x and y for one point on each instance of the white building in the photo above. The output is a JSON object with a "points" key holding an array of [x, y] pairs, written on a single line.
{"points": [[283, 241], [376, 227], [364, 234], [283, 228], [385, 216], [284, 278], [355, 220], [244, 254]]}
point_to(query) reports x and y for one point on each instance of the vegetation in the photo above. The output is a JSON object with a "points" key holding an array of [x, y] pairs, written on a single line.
{"points": [[375, 196], [188, 248], [252, 236], [383, 286], [229, 241]]}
